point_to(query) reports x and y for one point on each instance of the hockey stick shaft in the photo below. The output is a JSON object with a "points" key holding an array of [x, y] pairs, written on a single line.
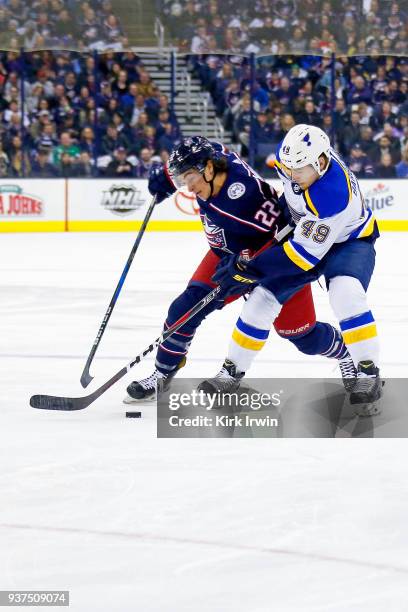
{"points": [[85, 376], [50, 402]]}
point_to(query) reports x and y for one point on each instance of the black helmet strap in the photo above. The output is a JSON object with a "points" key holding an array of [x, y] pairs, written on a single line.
{"points": [[211, 182]]}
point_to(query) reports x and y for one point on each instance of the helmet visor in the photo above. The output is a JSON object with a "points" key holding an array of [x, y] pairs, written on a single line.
{"points": [[187, 179]]}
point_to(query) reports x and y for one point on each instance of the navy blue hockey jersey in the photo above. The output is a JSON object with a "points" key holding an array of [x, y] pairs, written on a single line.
{"points": [[245, 213]]}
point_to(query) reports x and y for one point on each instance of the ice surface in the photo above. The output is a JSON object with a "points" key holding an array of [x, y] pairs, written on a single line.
{"points": [[94, 503]]}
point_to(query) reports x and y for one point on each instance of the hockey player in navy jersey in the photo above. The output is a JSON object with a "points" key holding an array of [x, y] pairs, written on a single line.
{"points": [[334, 237], [240, 215]]}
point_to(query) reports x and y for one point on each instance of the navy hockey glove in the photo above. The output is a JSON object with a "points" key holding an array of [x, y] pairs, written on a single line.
{"points": [[233, 276], [160, 184]]}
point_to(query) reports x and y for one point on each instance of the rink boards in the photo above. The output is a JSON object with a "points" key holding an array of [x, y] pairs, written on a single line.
{"points": [[55, 205]]}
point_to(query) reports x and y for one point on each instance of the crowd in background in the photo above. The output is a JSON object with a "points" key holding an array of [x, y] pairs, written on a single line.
{"points": [[42, 24], [288, 26], [100, 114], [369, 126], [82, 116]]}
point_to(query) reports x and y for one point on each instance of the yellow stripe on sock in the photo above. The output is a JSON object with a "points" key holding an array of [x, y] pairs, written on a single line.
{"points": [[357, 335], [247, 343]]}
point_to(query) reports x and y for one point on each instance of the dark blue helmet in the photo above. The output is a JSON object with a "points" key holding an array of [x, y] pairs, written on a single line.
{"points": [[192, 152]]}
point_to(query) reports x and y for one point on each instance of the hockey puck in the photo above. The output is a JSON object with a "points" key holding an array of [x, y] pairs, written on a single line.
{"points": [[134, 414]]}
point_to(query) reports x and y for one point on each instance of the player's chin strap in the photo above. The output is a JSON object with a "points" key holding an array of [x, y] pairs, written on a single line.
{"points": [[211, 182]]}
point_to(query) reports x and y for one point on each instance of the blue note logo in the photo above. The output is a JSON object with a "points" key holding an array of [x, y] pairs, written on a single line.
{"points": [[379, 197]]}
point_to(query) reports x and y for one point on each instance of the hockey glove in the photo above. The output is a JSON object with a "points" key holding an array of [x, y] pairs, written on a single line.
{"points": [[233, 276], [160, 184]]}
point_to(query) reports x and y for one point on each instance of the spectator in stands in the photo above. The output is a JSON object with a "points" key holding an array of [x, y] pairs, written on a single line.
{"points": [[366, 141], [120, 167], [145, 163], [285, 93], [65, 147], [264, 132], [113, 140], [384, 115], [87, 142], [145, 86], [242, 123], [4, 162], [84, 165], [384, 145], [386, 168], [350, 134], [41, 166], [359, 162], [341, 115], [402, 167], [359, 91], [168, 139], [20, 165], [199, 43], [310, 114]]}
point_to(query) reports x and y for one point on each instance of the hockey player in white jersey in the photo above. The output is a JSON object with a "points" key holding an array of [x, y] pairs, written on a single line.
{"points": [[334, 236]]}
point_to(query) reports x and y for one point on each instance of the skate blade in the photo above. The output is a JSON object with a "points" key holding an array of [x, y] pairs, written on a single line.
{"points": [[131, 400], [368, 410]]}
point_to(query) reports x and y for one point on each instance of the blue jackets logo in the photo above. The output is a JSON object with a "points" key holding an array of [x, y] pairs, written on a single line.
{"points": [[215, 235]]}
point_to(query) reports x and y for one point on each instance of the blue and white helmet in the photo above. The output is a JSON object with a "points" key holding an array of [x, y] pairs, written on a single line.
{"points": [[303, 145]]}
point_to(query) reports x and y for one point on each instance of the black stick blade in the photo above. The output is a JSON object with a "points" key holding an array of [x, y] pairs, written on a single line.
{"points": [[86, 378], [52, 402]]}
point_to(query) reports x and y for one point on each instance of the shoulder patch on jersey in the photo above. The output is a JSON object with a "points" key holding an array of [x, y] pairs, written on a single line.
{"points": [[331, 194], [236, 190]]}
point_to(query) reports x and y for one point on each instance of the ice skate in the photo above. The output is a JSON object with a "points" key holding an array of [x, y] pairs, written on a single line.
{"points": [[348, 373], [146, 389], [367, 390], [226, 381]]}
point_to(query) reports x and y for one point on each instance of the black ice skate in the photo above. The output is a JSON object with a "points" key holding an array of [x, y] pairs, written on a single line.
{"points": [[367, 390], [348, 373], [226, 381], [146, 389]]}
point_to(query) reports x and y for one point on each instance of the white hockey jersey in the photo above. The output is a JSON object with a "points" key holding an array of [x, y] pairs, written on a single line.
{"points": [[332, 210]]}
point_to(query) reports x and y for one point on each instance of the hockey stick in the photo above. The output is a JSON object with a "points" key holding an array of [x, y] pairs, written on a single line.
{"points": [[52, 402], [86, 377]]}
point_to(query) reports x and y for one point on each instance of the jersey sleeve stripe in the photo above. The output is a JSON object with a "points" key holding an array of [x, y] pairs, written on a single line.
{"points": [[295, 257], [365, 229], [302, 251], [222, 212], [310, 204], [346, 174]]}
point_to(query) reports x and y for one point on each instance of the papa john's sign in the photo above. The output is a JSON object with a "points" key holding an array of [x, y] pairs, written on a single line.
{"points": [[15, 201]]}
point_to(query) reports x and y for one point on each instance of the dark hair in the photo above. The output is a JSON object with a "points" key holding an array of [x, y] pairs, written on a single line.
{"points": [[221, 164]]}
